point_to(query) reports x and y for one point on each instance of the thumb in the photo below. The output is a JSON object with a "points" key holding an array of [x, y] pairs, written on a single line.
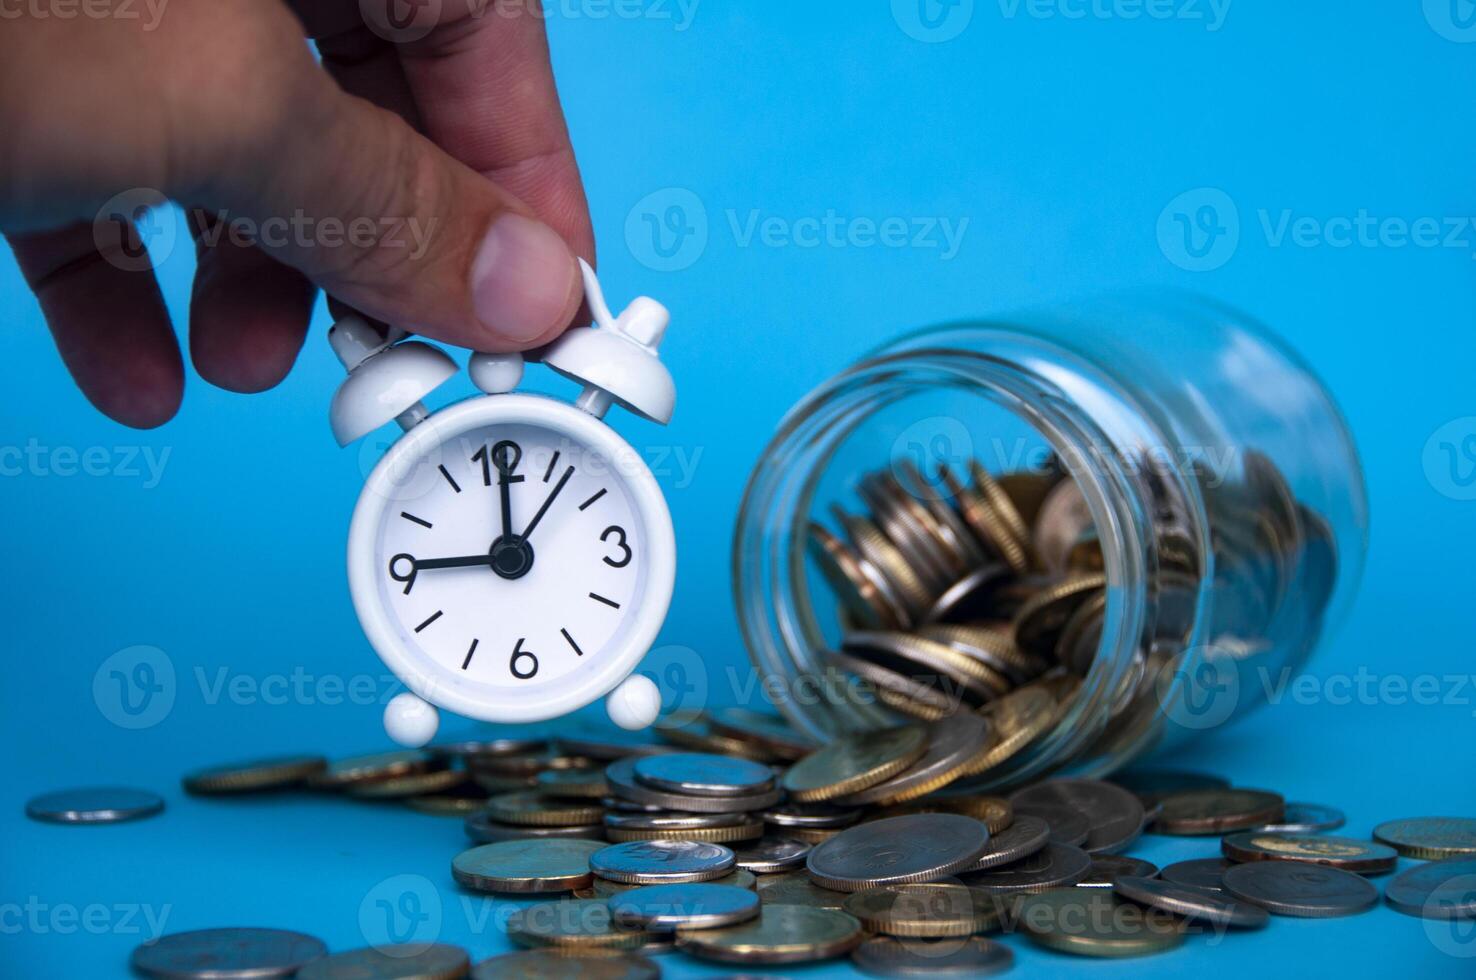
{"points": [[385, 221]]}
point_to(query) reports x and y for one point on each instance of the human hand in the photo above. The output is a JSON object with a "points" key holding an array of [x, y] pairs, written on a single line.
{"points": [[440, 139]]}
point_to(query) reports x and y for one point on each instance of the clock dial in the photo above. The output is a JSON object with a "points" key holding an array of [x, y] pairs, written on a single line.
{"points": [[522, 560]]}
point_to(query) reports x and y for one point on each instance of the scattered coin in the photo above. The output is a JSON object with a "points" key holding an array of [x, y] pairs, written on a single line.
{"points": [[702, 774], [737, 878], [797, 888], [769, 855], [926, 910], [1307, 818], [608, 744], [1429, 838], [780, 934], [1152, 785], [205, 954], [452, 804], [953, 743], [1068, 825], [1053, 866], [747, 829], [656, 862], [663, 908], [534, 810], [1023, 837], [621, 777], [1442, 889], [533, 866], [104, 804], [1200, 873], [1194, 904], [900, 850], [1362, 857], [256, 776], [1094, 922], [668, 821], [543, 964], [368, 768], [993, 811], [854, 762], [822, 816], [404, 787], [974, 957], [436, 961], [1297, 888], [473, 749], [575, 924], [1115, 816], [481, 827], [581, 784], [1217, 811], [1107, 868]]}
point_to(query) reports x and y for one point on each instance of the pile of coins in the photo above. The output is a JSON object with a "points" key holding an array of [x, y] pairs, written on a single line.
{"points": [[990, 596], [734, 840]]}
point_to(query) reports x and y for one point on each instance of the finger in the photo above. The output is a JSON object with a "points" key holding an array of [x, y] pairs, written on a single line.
{"points": [[108, 319]]}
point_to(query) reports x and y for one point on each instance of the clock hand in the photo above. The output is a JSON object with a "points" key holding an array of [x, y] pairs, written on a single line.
{"points": [[468, 561], [527, 531], [506, 455]]}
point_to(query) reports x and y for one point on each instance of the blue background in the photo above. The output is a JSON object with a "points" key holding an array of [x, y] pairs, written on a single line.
{"points": [[1061, 140]]}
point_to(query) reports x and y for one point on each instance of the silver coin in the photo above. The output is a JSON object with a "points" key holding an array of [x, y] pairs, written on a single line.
{"points": [[1115, 815], [1053, 866], [769, 855], [475, 748], [1300, 889], [662, 908], [1064, 517], [898, 850], [817, 816], [970, 598], [1194, 904], [1200, 873], [1107, 868], [1444, 889], [703, 774], [621, 777], [975, 956], [1306, 818], [1067, 825], [1024, 836], [662, 862], [952, 742], [482, 828], [409, 961], [226, 954], [674, 821], [104, 804]]}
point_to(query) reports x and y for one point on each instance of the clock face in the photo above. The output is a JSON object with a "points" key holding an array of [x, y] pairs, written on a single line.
{"points": [[514, 562]]}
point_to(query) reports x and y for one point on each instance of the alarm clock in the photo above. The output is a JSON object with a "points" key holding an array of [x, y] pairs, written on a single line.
{"points": [[510, 558]]}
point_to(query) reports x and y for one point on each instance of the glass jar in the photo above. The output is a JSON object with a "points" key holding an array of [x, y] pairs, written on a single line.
{"points": [[1171, 465]]}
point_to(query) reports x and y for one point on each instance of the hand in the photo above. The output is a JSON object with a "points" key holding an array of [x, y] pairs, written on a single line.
{"points": [[442, 142], [547, 502]]}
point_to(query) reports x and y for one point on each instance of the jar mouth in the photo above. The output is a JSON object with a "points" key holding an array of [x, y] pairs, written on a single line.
{"points": [[777, 612]]}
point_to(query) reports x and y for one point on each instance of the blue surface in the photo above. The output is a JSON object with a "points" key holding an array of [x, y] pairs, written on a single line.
{"points": [[1062, 141]]}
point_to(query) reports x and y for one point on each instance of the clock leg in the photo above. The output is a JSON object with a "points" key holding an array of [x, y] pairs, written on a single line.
{"points": [[410, 721], [635, 704]]}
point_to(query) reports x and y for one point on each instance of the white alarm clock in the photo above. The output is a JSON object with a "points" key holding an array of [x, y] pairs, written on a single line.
{"points": [[510, 558]]}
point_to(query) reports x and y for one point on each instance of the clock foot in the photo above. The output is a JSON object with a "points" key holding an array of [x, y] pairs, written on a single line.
{"points": [[410, 721], [635, 704]]}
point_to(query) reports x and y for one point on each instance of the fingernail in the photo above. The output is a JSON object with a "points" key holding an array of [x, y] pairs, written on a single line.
{"points": [[521, 278]]}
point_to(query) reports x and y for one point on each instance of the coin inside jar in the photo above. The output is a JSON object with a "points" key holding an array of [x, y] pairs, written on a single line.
{"points": [[690, 906], [702, 774], [662, 862]]}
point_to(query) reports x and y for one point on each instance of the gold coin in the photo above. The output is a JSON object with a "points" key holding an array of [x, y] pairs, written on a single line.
{"points": [[953, 744], [1003, 506], [858, 584], [533, 810], [605, 888], [559, 964], [572, 924], [811, 835], [895, 569], [573, 783], [1429, 838], [781, 934], [797, 888], [854, 762], [537, 865], [918, 710], [409, 961], [994, 812], [415, 784], [1093, 922], [254, 776], [986, 522], [878, 679], [927, 911], [367, 768], [446, 804], [1039, 622], [920, 658], [747, 830], [1016, 720]]}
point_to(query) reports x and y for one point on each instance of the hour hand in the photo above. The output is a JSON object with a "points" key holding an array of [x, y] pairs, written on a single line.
{"points": [[403, 568]]}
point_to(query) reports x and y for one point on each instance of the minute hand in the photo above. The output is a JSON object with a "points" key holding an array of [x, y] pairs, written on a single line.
{"points": [[470, 561], [544, 509]]}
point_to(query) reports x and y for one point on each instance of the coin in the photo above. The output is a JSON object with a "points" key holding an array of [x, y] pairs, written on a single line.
{"points": [[930, 661], [737, 878], [896, 690], [971, 597], [486, 748], [1194, 904], [991, 528], [662, 908], [780, 934], [900, 850], [527, 765], [621, 777], [658, 862], [403, 787], [481, 827], [859, 585], [1443, 889], [608, 743], [901, 577], [993, 811], [545, 964], [770, 731], [1094, 922], [1114, 815], [436, 961], [219, 953], [822, 816], [452, 804], [692, 730], [667, 820], [1044, 615], [1053, 866], [1429, 838], [254, 776], [537, 866], [1068, 825], [582, 784], [1063, 518], [1217, 811], [797, 888], [1023, 837], [772, 854], [572, 924], [1362, 857], [952, 744], [367, 768], [1307, 818], [1017, 719], [1201, 873], [103, 804], [1107, 868], [538, 811], [854, 762], [974, 957], [1300, 889], [929, 911], [745, 830], [702, 774]]}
